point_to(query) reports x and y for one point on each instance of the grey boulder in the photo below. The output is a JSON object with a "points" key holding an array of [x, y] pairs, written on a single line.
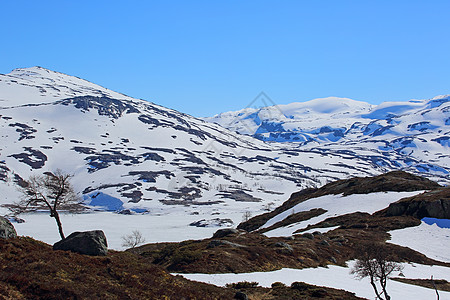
{"points": [[87, 242], [7, 230]]}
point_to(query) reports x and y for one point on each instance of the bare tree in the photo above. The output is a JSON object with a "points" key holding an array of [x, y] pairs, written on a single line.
{"points": [[48, 191], [373, 261], [133, 239], [247, 215]]}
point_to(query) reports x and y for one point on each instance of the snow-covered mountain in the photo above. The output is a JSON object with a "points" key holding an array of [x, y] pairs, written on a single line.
{"points": [[127, 153], [416, 133]]}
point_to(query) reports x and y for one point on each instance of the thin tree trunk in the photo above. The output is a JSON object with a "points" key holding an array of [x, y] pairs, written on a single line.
{"points": [[375, 288], [383, 282], [58, 222], [435, 288]]}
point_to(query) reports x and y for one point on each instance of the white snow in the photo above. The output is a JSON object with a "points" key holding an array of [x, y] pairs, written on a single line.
{"points": [[431, 240], [339, 278], [168, 227]]}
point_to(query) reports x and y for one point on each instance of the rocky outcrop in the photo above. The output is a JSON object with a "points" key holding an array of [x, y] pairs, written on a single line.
{"points": [[434, 204], [225, 232], [396, 181], [88, 242], [7, 230], [215, 243]]}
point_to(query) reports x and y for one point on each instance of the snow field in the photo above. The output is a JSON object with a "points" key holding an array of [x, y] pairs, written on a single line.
{"points": [[339, 278]]}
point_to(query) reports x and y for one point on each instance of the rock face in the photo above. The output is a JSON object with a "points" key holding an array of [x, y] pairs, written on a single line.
{"points": [[7, 230], [225, 232], [434, 204], [88, 242]]}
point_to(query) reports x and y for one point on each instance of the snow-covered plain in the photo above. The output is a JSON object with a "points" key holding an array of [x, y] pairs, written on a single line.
{"points": [[171, 226], [339, 278]]}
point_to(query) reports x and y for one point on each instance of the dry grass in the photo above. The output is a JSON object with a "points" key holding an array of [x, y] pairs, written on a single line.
{"points": [[32, 270], [441, 285]]}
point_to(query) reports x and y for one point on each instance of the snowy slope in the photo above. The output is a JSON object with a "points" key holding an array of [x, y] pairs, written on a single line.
{"points": [[413, 134], [132, 154]]}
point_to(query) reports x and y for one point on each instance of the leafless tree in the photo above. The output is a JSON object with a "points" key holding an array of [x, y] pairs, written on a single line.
{"points": [[247, 215], [373, 261], [48, 191], [133, 239]]}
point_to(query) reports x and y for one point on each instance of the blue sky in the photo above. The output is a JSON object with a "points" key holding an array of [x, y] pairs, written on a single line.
{"points": [[206, 57]]}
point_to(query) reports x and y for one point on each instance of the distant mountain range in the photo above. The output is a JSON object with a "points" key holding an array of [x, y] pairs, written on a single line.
{"points": [[416, 133], [127, 153]]}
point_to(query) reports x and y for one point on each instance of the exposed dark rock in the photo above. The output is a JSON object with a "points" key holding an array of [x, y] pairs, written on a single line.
{"points": [[150, 176], [15, 219], [225, 232], [217, 222], [34, 158], [215, 243], [24, 130], [107, 157], [125, 212], [308, 236], [134, 196], [88, 242], [285, 246], [3, 171], [7, 230], [239, 195], [434, 204], [324, 243], [105, 106], [84, 150]]}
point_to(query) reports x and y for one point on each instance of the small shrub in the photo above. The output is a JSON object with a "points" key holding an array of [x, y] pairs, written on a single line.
{"points": [[301, 286], [278, 285], [185, 256], [319, 293], [242, 285], [132, 240]]}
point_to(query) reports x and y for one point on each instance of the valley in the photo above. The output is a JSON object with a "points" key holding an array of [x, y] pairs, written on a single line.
{"points": [[273, 194]]}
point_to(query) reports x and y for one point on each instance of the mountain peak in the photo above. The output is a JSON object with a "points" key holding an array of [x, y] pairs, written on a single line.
{"points": [[38, 85], [32, 71]]}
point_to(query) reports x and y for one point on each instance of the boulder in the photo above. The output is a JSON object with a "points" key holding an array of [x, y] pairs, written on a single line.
{"points": [[225, 232], [87, 242], [308, 235], [285, 246], [7, 230]]}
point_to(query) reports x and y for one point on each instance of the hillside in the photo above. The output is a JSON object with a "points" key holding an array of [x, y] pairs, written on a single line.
{"points": [[318, 232], [136, 157], [32, 270], [283, 238]]}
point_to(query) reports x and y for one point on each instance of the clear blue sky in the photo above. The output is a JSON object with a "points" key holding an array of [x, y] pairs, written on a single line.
{"points": [[206, 57]]}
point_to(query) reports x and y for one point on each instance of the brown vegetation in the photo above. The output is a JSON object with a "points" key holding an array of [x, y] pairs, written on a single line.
{"points": [[32, 270], [441, 284]]}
